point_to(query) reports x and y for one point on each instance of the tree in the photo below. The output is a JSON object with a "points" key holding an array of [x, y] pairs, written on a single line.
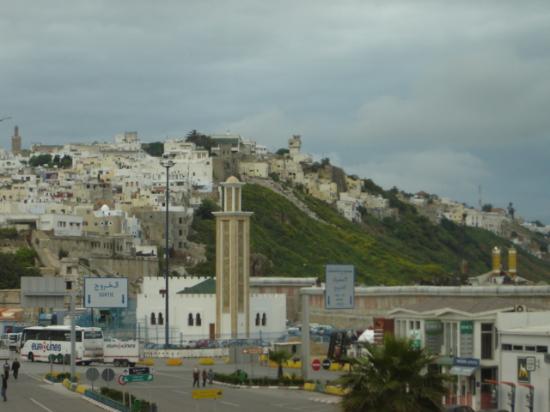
{"points": [[155, 149], [487, 207], [279, 357], [394, 377], [282, 151], [200, 140]]}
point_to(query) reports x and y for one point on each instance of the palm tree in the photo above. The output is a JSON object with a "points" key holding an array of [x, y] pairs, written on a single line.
{"points": [[279, 357], [395, 377]]}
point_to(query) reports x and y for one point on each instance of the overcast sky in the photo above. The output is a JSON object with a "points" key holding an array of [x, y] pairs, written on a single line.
{"points": [[441, 96]]}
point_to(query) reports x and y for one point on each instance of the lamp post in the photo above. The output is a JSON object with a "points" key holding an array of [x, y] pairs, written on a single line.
{"points": [[167, 164]]}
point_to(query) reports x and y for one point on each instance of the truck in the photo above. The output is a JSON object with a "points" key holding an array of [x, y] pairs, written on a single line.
{"points": [[121, 352]]}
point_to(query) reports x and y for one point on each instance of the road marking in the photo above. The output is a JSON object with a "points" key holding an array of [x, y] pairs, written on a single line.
{"points": [[39, 404], [182, 392], [33, 377], [230, 403]]}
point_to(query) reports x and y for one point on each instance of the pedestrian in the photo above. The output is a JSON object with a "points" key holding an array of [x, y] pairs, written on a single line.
{"points": [[6, 368], [4, 386], [210, 376], [15, 365], [204, 377], [196, 376]]}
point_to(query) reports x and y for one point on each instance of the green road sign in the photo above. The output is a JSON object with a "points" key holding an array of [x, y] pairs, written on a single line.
{"points": [[136, 378]]}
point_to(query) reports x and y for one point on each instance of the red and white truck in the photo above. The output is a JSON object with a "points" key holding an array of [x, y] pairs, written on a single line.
{"points": [[121, 352]]}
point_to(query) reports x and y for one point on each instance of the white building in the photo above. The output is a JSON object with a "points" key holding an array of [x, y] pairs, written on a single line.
{"points": [[61, 225], [193, 310]]}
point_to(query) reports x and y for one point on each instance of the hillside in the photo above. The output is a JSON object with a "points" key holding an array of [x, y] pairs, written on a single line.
{"points": [[285, 241]]}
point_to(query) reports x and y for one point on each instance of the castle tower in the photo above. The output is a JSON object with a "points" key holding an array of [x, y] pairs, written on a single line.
{"points": [[496, 261], [294, 145], [232, 263], [512, 262], [16, 141]]}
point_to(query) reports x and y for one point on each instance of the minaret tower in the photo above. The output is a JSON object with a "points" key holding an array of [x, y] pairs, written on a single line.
{"points": [[16, 142], [232, 263]]}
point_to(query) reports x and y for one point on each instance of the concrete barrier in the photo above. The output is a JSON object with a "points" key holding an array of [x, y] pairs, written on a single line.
{"points": [[146, 362], [187, 353], [206, 361], [309, 387], [174, 362]]}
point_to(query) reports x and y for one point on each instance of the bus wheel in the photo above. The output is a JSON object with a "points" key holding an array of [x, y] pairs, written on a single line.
{"points": [[30, 357]]}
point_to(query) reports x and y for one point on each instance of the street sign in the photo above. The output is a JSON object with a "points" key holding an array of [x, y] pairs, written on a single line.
{"points": [[207, 393], [92, 374], [139, 370], [105, 292], [339, 287], [46, 292], [108, 375], [253, 351], [316, 364], [124, 379], [326, 364], [531, 363]]}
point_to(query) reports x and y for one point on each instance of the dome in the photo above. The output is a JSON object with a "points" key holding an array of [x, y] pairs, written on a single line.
{"points": [[232, 179], [104, 208]]}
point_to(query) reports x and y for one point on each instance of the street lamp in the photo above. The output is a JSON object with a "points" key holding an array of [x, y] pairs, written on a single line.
{"points": [[167, 164]]}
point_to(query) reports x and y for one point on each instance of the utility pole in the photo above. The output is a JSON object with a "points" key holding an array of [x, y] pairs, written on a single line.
{"points": [[73, 335], [167, 164]]}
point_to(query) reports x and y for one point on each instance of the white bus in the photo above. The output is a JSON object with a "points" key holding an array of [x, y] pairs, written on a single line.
{"points": [[39, 342]]}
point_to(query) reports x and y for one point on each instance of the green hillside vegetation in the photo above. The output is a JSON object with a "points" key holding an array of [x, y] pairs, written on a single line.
{"points": [[391, 252], [15, 265]]}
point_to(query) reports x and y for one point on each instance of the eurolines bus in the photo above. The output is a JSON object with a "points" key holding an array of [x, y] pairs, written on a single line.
{"points": [[39, 342]]}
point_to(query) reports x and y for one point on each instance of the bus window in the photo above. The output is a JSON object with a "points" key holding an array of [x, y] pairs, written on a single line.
{"points": [[93, 335]]}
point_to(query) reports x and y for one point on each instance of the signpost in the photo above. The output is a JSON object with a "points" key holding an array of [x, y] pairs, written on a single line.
{"points": [[326, 364], [92, 374], [137, 374], [316, 364], [105, 292], [339, 286]]}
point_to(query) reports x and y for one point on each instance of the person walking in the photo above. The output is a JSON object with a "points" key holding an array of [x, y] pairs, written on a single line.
{"points": [[6, 368], [204, 377], [210, 376], [4, 386], [15, 365], [196, 376]]}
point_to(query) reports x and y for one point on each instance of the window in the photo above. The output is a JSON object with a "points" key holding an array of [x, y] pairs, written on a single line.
{"points": [[257, 319], [486, 341], [506, 346], [198, 320], [153, 319], [264, 319], [517, 347], [161, 319], [542, 349], [530, 349], [190, 320]]}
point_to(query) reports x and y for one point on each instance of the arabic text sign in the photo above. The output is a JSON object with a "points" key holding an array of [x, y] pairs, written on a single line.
{"points": [[339, 289], [105, 292]]}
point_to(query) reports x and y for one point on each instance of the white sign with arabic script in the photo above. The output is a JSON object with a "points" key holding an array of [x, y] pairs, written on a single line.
{"points": [[339, 287], [105, 292]]}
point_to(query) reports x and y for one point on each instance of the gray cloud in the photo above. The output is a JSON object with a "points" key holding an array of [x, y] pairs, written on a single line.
{"points": [[386, 85]]}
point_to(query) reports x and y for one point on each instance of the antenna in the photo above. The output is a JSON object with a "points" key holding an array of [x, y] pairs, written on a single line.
{"points": [[479, 197]]}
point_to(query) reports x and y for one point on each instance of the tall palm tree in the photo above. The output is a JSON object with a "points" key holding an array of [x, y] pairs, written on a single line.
{"points": [[279, 357], [395, 377]]}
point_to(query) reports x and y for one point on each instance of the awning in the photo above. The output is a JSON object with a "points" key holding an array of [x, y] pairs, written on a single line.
{"points": [[462, 370]]}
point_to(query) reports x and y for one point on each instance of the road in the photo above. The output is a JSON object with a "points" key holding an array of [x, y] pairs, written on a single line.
{"points": [[171, 390], [30, 394]]}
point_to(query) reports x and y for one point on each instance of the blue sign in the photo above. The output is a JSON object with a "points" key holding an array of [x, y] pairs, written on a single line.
{"points": [[105, 292], [467, 362], [339, 287]]}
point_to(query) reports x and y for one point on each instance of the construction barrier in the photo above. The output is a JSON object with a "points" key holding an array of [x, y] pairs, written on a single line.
{"points": [[335, 390], [146, 362], [206, 361], [309, 387]]}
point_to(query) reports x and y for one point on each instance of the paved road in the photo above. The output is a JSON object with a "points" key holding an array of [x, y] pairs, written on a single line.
{"points": [[30, 394], [172, 386]]}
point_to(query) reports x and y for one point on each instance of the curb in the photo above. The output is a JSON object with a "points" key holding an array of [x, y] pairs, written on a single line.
{"points": [[230, 385], [99, 404], [333, 401]]}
